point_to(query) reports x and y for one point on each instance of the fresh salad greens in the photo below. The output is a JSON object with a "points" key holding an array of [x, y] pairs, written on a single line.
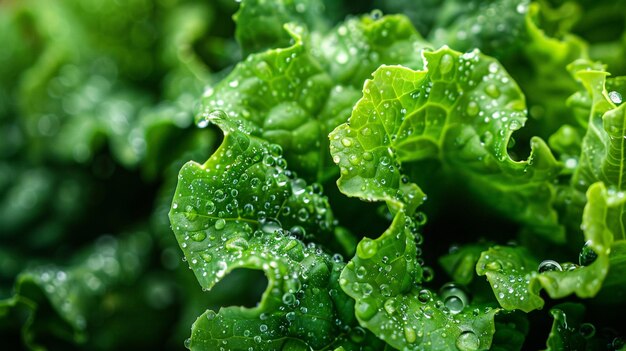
{"points": [[313, 175]]}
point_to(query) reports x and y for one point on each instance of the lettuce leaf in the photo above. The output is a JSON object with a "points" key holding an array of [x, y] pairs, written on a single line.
{"points": [[461, 111], [244, 209], [295, 96], [385, 280]]}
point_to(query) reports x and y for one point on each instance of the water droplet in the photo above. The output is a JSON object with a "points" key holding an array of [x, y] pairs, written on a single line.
{"points": [[198, 236], [202, 122], [361, 272], [365, 311], [409, 334], [454, 297], [467, 341], [428, 274], [298, 186], [472, 109], [220, 224], [615, 97], [493, 67], [376, 14], [493, 266], [289, 298], [548, 266], [587, 330], [270, 226], [367, 289], [210, 207], [446, 64], [421, 218], [236, 244], [587, 256], [424, 296], [493, 91], [390, 306], [367, 248], [454, 304]]}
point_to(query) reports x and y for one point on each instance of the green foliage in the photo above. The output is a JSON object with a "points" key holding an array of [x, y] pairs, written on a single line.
{"points": [[461, 110], [312, 175]]}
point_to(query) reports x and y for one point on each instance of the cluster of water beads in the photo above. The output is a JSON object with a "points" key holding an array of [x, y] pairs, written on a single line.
{"points": [[586, 257]]}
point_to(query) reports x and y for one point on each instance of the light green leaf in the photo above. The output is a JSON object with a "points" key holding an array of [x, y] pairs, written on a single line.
{"points": [[385, 280], [295, 96], [244, 209], [602, 149], [260, 23], [512, 274], [513, 271], [355, 48], [460, 110]]}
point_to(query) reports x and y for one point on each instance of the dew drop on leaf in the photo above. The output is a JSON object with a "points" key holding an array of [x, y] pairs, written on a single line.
{"points": [[220, 224], [493, 91], [587, 256], [365, 311], [198, 236], [472, 109], [467, 341], [409, 334], [615, 97], [367, 248], [446, 64], [548, 266], [376, 14], [587, 330]]}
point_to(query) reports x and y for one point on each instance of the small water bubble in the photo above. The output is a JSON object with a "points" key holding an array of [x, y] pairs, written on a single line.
{"points": [[587, 330], [455, 298], [270, 225], [493, 91], [454, 304], [220, 224], [428, 274], [289, 298], [367, 248], [548, 266], [446, 64], [587, 256], [468, 341], [615, 97], [472, 109], [376, 14]]}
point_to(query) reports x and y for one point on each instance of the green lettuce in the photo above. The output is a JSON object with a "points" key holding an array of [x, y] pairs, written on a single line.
{"points": [[312, 175]]}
